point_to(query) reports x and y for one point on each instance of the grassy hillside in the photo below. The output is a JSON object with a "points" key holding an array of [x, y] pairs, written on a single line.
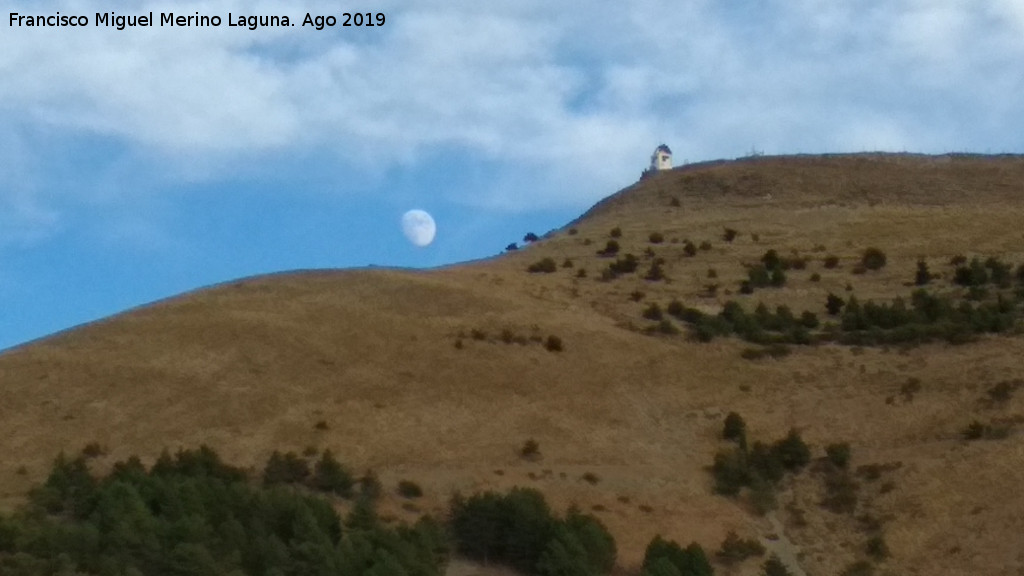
{"points": [[440, 376]]}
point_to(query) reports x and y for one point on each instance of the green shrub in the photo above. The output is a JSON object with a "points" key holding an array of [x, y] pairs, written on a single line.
{"points": [[553, 344], [611, 248], [762, 496], [663, 555], [792, 451], [730, 472], [544, 265], [778, 278], [771, 260], [735, 428], [530, 449], [735, 549], [409, 489], [288, 468], [838, 454], [774, 566], [877, 548], [923, 275], [655, 272], [873, 259], [331, 476], [653, 312], [840, 492], [834, 304]]}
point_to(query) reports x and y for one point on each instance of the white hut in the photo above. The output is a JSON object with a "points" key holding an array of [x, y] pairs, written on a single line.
{"points": [[661, 159]]}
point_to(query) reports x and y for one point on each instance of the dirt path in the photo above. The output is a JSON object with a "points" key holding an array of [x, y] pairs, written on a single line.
{"points": [[781, 546]]}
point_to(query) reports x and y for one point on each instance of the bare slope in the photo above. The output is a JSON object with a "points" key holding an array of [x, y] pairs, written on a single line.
{"points": [[255, 365]]}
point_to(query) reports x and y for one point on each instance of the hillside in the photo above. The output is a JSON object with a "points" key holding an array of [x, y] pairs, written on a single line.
{"points": [[408, 372]]}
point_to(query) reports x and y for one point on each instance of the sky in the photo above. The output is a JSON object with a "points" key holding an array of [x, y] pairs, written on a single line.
{"points": [[137, 164]]}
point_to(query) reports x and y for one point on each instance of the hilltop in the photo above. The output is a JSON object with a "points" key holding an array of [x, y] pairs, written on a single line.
{"points": [[440, 376]]}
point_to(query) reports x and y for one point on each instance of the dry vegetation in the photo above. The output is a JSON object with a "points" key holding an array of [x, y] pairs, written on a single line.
{"points": [[386, 369]]}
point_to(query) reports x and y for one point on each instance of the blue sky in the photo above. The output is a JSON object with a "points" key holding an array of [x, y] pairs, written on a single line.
{"points": [[138, 164]]}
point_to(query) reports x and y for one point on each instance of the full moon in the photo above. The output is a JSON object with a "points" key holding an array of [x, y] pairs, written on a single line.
{"points": [[419, 227]]}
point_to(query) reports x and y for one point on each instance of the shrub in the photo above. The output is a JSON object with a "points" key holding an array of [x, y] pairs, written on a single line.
{"points": [[625, 265], [370, 488], [729, 235], [321, 425], [655, 272], [616, 232], [840, 492], [289, 468], [774, 566], [957, 260], [705, 246], [770, 259], [736, 549], [831, 261], [544, 265], [573, 231], [329, 475], [674, 202], [922, 276], [792, 451], [636, 295], [735, 429], [758, 276], [834, 304], [409, 489], [809, 320], [712, 273], [689, 249], [873, 258], [611, 248], [530, 450], [877, 548], [974, 274], [815, 277], [762, 496], [512, 247], [590, 478], [553, 344], [838, 454], [530, 237], [653, 312], [778, 278], [567, 263], [656, 238], [581, 273], [93, 450], [665, 557], [730, 472], [665, 326]]}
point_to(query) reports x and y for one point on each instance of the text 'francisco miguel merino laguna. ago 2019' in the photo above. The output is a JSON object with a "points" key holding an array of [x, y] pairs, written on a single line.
{"points": [[122, 21]]}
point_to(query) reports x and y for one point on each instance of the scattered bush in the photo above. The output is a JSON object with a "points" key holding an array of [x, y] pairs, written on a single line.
{"points": [[877, 548], [590, 478], [664, 557], [288, 468], [370, 487], [774, 566], [656, 238], [840, 492], [957, 260], [567, 263], [838, 454], [689, 249], [636, 295], [530, 237], [831, 261], [553, 344], [655, 273], [512, 247], [573, 231], [815, 277], [581, 273], [653, 312], [611, 248], [616, 232], [93, 450], [729, 235], [544, 265], [834, 304], [735, 549], [873, 258], [674, 202], [331, 476], [409, 489], [792, 451], [530, 450], [923, 275], [705, 246], [735, 429]]}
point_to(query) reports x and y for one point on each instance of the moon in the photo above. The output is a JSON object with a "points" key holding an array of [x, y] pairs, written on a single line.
{"points": [[419, 227]]}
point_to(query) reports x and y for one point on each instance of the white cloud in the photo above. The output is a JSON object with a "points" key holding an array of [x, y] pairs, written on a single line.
{"points": [[572, 96]]}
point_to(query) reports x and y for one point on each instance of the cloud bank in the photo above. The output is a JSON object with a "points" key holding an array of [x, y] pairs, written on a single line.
{"points": [[564, 102]]}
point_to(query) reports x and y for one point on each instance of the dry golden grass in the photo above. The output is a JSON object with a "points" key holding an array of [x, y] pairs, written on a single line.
{"points": [[252, 366]]}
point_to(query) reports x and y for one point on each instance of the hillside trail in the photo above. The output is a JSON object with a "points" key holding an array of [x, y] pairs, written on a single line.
{"points": [[780, 545]]}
